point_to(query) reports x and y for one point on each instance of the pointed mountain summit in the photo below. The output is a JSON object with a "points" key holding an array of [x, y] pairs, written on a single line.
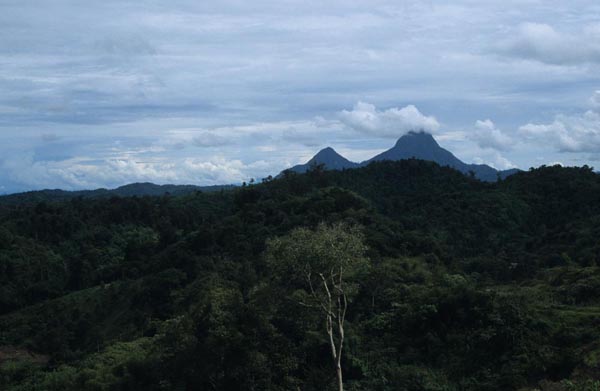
{"points": [[413, 145], [422, 145], [329, 158], [419, 145]]}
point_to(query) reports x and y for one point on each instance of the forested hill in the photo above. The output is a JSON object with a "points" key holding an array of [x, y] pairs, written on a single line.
{"points": [[132, 189], [466, 285]]}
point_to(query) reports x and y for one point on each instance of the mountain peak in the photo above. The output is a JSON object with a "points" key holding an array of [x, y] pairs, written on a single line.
{"points": [[327, 151], [419, 145], [329, 158], [420, 138], [412, 145]]}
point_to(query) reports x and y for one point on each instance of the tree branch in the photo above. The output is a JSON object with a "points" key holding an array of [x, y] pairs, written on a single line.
{"points": [[315, 296]]}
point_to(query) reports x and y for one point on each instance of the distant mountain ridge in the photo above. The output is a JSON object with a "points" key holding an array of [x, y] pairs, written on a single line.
{"points": [[418, 145], [329, 158], [139, 189]]}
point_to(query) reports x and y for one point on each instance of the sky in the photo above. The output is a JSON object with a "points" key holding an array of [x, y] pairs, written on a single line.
{"points": [[100, 94]]}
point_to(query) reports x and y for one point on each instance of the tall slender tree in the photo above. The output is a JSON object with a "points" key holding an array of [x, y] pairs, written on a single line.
{"points": [[324, 265]]}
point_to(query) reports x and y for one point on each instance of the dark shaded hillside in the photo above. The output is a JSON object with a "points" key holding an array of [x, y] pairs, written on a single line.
{"points": [[133, 189], [471, 285]]}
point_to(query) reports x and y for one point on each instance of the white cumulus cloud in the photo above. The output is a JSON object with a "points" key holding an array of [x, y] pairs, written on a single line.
{"points": [[393, 122], [494, 159], [569, 133], [85, 173], [487, 135]]}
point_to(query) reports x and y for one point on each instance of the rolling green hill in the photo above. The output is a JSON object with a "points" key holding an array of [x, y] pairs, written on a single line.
{"points": [[468, 285]]}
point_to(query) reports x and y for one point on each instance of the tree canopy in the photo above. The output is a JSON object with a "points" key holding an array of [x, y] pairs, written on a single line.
{"points": [[448, 283]]}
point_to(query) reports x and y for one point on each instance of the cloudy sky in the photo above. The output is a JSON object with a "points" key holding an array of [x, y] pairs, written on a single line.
{"points": [[99, 94]]}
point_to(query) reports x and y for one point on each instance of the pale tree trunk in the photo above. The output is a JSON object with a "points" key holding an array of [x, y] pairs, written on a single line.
{"points": [[339, 378], [335, 296], [340, 321], [342, 305], [336, 351]]}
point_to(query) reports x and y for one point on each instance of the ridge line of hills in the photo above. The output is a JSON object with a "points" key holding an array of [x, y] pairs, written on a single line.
{"points": [[418, 145], [413, 145], [139, 189]]}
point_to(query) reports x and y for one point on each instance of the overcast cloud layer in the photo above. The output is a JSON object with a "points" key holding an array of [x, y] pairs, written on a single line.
{"points": [[99, 94]]}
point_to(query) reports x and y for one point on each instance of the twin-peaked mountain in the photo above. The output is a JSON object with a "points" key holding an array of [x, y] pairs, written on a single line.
{"points": [[417, 145]]}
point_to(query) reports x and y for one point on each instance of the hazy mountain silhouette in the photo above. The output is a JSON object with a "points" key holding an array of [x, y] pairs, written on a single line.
{"points": [[417, 145], [329, 158]]}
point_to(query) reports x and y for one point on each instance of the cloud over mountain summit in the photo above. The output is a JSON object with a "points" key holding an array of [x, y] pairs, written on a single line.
{"points": [[392, 122]]}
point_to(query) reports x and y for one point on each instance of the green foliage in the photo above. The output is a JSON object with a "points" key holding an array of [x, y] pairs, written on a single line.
{"points": [[468, 285], [332, 251], [122, 366]]}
